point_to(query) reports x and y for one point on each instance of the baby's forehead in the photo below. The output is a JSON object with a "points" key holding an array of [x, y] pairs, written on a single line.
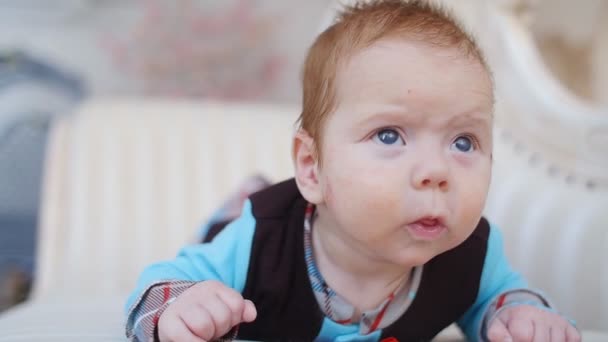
{"points": [[409, 51], [400, 68]]}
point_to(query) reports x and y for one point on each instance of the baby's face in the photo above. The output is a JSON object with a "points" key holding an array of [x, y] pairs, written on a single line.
{"points": [[407, 153]]}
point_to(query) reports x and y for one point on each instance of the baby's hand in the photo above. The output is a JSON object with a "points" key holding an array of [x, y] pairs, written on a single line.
{"points": [[204, 312], [527, 323]]}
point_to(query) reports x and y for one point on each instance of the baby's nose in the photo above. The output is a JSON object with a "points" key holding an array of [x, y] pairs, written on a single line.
{"points": [[431, 174], [432, 182]]}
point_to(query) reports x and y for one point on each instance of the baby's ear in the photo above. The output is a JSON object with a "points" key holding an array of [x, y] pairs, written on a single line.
{"points": [[306, 167]]}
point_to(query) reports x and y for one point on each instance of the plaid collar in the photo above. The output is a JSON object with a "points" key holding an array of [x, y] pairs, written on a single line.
{"points": [[341, 311]]}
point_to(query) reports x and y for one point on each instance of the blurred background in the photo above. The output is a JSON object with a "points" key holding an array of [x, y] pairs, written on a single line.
{"points": [[549, 57], [56, 54]]}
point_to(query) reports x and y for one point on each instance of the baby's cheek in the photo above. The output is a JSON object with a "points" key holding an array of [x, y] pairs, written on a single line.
{"points": [[376, 198], [471, 210], [363, 195], [473, 185], [328, 196]]}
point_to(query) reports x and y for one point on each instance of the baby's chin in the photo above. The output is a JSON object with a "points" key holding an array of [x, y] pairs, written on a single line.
{"points": [[414, 256]]}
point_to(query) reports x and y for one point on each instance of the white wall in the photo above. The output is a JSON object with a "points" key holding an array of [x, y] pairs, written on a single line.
{"points": [[74, 35]]}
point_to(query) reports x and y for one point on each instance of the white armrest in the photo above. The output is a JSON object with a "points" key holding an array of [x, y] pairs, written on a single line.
{"points": [[129, 182]]}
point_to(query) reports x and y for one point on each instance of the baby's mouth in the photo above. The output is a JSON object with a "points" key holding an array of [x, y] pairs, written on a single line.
{"points": [[429, 221], [427, 228]]}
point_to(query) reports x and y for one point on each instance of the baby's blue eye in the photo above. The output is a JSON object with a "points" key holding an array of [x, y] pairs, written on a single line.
{"points": [[463, 144], [388, 137]]}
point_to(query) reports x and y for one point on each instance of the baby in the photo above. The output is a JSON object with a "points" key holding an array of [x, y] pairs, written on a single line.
{"points": [[380, 235]]}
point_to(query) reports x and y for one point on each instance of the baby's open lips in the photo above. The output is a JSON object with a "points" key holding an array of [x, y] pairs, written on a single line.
{"points": [[430, 221], [427, 228]]}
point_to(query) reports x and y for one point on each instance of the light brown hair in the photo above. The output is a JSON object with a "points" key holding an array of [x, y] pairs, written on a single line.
{"points": [[357, 27]]}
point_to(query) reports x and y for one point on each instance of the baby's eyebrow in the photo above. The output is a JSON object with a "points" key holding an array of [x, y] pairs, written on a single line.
{"points": [[387, 116], [471, 119]]}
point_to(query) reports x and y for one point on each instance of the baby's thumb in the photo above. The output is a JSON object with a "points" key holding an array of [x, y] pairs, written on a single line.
{"points": [[498, 332], [250, 313]]}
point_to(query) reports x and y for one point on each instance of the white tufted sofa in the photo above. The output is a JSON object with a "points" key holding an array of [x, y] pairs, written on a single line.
{"points": [[127, 182], [550, 189]]}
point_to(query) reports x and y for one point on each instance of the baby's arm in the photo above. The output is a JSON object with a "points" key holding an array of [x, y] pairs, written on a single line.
{"points": [[500, 289], [225, 260]]}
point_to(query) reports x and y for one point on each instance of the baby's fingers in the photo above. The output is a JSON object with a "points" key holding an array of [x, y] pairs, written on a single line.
{"points": [[498, 332], [521, 330], [558, 333], [235, 302], [199, 321], [176, 330], [542, 332], [242, 310], [572, 335], [221, 315], [250, 312]]}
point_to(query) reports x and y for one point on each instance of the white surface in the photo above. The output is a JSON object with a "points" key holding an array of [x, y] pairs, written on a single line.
{"points": [[75, 319]]}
